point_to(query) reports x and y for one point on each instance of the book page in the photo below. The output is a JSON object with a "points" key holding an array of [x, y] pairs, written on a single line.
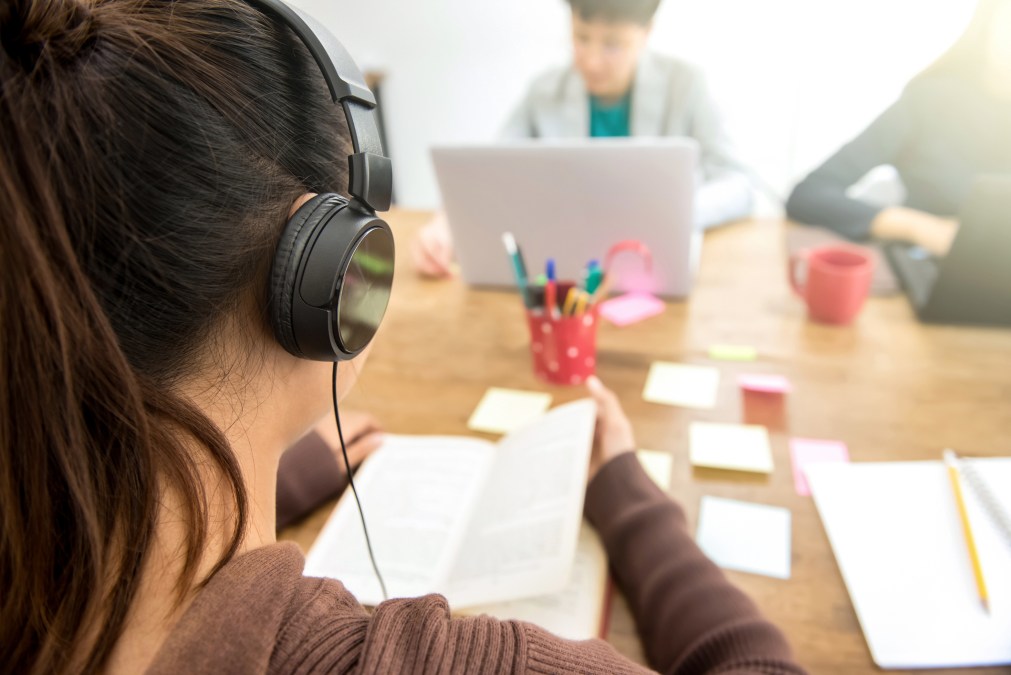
{"points": [[417, 493], [577, 611], [521, 541]]}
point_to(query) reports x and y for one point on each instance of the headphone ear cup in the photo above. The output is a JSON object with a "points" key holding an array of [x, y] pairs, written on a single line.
{"points": [[288, 258]]}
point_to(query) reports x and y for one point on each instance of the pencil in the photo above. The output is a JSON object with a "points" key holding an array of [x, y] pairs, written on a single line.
{"points": [[970, 541], [570, 301], [581, 303]]}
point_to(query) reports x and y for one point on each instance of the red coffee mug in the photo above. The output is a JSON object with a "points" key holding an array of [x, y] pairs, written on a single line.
{"points": [[837, 282]]}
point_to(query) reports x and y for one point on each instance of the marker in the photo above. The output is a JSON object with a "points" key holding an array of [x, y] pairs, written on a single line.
{"points": [[550, 271], [594, 275], [603, 289], [519, 268], [550, 299]]}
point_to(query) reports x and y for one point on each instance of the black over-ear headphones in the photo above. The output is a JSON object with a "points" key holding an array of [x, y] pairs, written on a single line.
{"points": [[333, 269]]}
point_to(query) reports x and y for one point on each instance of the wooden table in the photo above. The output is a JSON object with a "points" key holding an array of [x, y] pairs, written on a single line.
{"points": [[888, 386]]}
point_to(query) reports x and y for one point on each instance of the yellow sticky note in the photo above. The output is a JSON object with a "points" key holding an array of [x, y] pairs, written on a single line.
{"points": [[503, 410], [738, 447], [657, 465], [682, 385], [733, 353]]}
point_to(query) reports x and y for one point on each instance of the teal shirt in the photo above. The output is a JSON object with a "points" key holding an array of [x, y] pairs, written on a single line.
{"points": [[612, 120]]}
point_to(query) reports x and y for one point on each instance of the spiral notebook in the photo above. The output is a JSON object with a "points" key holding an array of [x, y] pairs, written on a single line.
{"points": [[895, 531]]}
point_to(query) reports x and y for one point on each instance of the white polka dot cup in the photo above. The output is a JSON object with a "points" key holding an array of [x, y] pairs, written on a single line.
{"points": [[564, 350]]}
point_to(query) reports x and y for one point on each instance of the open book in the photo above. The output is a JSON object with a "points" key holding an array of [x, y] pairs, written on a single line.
{"points": [[479, 522], [580, 611]]}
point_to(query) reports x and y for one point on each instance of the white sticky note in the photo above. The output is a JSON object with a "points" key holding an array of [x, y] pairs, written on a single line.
{"points": [[745, 537], [657, 465], [503, 410], [737, 447], [682, 385]]}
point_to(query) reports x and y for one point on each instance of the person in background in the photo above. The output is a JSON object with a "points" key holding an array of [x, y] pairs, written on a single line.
{"points": [[615, 87], [950, 125], [150, 156]]}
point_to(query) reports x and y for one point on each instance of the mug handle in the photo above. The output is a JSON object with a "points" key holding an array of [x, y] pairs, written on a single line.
{"points": [[795, 263]]}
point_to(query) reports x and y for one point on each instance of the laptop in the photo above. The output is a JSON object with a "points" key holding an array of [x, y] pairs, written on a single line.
{"points": [[572, 200], [972, 284]]}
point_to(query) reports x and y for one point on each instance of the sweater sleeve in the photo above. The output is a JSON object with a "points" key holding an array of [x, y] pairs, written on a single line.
{"points": [[690, 617], [820, 199], [307, 476]]}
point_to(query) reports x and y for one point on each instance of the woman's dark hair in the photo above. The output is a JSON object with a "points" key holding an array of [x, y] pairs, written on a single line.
{"points": [[966, 58], [150, 151], [636, 11]]}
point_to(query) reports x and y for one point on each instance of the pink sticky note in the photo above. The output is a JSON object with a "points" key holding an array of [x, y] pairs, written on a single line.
{"points": [[631, 308], [766, 384], [805, 451]]}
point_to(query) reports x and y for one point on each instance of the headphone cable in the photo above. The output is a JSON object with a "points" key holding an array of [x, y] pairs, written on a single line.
{"points": [[351, 481]]}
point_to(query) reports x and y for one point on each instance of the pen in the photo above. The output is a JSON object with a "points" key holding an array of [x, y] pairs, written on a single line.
{"points": [[970, 542], [519, 268]]}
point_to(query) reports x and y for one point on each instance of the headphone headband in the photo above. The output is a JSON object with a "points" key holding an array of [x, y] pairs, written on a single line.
{"points": [[371, 172]]}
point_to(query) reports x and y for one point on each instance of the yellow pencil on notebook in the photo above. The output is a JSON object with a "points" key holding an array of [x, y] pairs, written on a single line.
{"points": [[951, 462]]}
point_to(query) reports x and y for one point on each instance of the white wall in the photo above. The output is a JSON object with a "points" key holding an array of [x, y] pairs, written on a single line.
{"points": [[795, 78]]}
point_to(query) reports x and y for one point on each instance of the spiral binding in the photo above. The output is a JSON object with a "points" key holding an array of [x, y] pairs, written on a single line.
{"points": [[986, 497]]}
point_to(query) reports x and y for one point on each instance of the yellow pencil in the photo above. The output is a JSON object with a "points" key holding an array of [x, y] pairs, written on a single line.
{"points": [[570, 301], [581, 303], [970, 541]]}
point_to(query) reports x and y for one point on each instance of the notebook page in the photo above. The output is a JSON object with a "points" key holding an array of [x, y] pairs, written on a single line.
{"points": [[896, 534], [521, 541], [577, 611], [417, 493]]}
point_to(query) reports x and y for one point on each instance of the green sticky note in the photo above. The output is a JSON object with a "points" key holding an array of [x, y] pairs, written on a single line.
{"points": [[733, 353]]}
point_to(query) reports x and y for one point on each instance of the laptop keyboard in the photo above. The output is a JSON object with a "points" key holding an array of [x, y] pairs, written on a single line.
{"points": [[916, 268]]}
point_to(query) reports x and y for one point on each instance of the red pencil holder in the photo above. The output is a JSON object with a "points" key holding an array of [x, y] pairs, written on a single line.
{"points": [[564, 349]]}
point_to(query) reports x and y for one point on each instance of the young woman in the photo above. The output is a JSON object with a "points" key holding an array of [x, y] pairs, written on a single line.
{"points": [[949, 126], [151, 153]]}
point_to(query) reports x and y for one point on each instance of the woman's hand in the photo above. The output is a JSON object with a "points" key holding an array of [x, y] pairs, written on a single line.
{"points": [[432, 250], [614, 435], [918, 227], [362, 435]]}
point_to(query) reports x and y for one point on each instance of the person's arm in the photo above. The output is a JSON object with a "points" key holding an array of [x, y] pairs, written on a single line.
{"points": [[520, 124], [722, 200], [690, 617], [726, 192], [820, 199], [310, 471], [432, 248]]}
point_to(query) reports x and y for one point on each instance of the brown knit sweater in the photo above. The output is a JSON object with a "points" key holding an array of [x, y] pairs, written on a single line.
{"points": [[260, 615]]}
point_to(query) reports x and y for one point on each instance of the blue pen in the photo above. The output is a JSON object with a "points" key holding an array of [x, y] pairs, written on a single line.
{"points": [[519, 268], [550, 271]]}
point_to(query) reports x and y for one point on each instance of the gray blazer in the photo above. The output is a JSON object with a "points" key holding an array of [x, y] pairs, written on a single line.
{"points": [[669, 98]]}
